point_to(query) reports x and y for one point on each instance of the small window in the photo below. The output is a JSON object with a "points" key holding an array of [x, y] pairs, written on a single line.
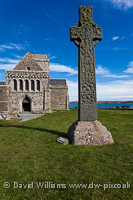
{"points": [[32, 85], [15, 85], [28, 68], [21, 85], [38, 85], [26, 85]]}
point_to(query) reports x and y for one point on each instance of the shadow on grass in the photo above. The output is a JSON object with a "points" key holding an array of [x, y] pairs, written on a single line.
{"points": [[60, 134]]}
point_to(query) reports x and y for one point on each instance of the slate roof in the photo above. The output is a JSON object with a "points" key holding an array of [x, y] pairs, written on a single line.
{"points": [[28, 62], [57, 82]]}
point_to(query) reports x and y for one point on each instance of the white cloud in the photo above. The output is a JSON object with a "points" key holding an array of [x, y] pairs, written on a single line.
{"points": [[52, 57], [3, 47], [115, 90], [16, 56], [55, 67], [122, 4], [122, 38], [101, 70], [73, 90], [9, 60], [131, 64], [116, 76], [106, 73], [48, 39], [120, 49], [8, 63], [17, 46], [11, 46], [7, 66], [115, 38], [130, 68]]}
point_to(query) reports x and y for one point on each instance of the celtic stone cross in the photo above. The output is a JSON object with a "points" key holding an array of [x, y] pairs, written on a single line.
{"points": [[85, 35]]}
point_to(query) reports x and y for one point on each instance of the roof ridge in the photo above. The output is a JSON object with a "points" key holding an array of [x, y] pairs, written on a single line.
{"points": [[39, 55]]}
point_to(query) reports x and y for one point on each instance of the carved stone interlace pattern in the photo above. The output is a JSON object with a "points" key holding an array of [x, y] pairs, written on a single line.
{"points": [[86, 34], [88, 93], [87, 67]]}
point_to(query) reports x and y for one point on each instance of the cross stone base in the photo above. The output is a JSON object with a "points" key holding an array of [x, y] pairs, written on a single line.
{"points": [[89, 133]]}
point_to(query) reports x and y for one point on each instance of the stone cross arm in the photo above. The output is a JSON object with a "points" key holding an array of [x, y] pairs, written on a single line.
{"points": [[85, 29], [76, 33], [97, 34]]}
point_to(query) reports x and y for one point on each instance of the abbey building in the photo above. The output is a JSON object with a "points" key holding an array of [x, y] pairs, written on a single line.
{"points": [[28, 88]]}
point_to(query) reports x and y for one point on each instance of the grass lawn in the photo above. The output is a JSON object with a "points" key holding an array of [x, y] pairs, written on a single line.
{"points": [[29, 153]]}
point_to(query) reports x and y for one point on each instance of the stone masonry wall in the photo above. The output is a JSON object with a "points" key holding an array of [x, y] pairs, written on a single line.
{"points": [[15, 101], [38, 103], [4, 94], [59, 97]]}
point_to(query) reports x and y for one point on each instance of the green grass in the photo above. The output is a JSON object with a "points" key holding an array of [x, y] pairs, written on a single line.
{"points": [[29, 153]]}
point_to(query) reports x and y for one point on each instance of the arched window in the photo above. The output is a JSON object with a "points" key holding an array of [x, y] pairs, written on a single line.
{"points": [[32, 85], [15, 85], [38, 85], [26, 85], [21, 85]]}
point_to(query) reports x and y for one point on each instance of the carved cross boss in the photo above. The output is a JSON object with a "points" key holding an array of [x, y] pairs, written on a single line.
{"points": [[85, 35]]}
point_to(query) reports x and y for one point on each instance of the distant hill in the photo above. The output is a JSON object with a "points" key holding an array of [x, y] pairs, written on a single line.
{"points": [[73, 102], [110, 102], [105, 102]]}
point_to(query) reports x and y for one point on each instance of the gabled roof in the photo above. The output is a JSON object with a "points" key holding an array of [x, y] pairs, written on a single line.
{"points": [[28, 63], [57, 82]]}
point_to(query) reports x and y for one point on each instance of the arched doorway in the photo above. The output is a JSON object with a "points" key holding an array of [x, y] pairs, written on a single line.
{"points": [[26, 104]]}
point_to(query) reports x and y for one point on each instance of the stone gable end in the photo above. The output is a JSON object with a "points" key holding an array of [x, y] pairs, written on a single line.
{"points": [[28, 63]]}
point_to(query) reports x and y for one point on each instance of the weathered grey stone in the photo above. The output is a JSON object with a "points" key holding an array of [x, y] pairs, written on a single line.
{"points": [[63, 140], [87, 130], [89, 133], [86, 34], [59, 97]]}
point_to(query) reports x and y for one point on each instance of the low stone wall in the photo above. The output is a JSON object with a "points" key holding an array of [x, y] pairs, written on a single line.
{"points": [[4, 94], [4, 103]]}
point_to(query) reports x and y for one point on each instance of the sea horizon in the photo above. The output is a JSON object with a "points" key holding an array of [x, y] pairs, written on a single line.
{"points": [[105, 105]]}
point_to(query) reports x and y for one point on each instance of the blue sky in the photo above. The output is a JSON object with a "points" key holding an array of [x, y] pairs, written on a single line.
{"points": [[43, 27]]}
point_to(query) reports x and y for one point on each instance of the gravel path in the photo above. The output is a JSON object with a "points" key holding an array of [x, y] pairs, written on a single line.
{"points": [[28, 116]]}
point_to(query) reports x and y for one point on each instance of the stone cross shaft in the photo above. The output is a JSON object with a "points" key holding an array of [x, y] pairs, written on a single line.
{"points": [[85, 35]]}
